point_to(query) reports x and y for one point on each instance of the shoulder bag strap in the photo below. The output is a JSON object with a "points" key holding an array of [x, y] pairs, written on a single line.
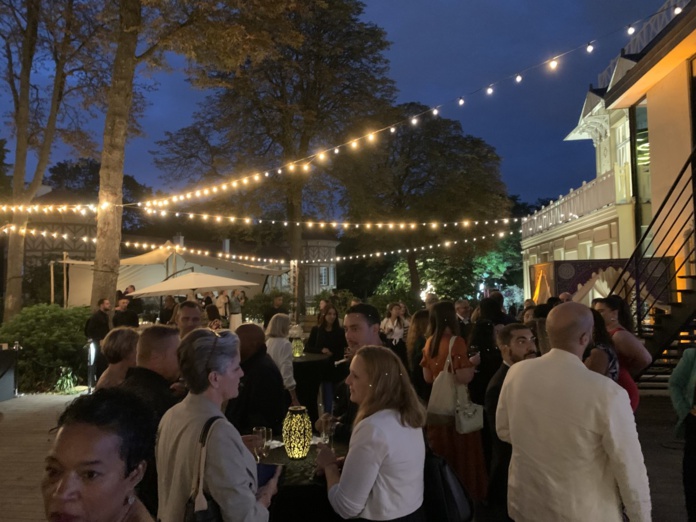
{"points": [[201, 503], [448, 362]]}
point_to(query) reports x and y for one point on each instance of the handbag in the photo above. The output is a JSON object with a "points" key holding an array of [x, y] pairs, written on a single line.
{"points": [[443, 395], [468, 416], [444, 496], [201, 507]]}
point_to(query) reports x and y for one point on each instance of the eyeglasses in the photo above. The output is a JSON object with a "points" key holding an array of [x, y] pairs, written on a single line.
{"points": [[212, 351]]}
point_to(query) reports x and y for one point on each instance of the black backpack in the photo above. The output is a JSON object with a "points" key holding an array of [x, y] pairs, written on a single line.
{"points": [[444, 496]]}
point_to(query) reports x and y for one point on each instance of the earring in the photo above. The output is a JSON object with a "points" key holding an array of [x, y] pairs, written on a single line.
{"points": [[130, 500]]}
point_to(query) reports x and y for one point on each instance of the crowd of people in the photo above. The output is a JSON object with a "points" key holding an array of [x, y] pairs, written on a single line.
{"points": [[556, 381]]}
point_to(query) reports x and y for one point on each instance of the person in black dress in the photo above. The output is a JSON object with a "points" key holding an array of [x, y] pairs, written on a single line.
{"points": [[330, 338]]}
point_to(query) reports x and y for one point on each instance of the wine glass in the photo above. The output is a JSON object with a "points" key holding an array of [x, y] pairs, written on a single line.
{"points": [[259, 434], [328, 428]]}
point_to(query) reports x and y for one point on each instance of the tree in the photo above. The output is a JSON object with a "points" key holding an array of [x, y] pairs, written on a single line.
{"points": [[221, 33], [82, 177], [430, 172], [286, 107], [39, 36], [5, 180]]}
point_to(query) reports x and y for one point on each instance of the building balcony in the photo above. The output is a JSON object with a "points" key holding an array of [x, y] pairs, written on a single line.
{"points": [[606, 190]]}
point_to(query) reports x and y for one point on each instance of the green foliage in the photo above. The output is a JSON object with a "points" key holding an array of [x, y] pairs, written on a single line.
{"points": [[256, 306], [399, 295], [66, 382], [52, 339]]}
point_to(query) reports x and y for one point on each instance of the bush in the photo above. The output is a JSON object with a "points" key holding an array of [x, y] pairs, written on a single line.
{"points": [[255, 307], [381, 301], [52, 339]]}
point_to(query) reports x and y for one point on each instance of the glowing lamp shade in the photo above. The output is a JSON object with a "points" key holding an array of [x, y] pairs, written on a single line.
{"points": [[297, 432]]}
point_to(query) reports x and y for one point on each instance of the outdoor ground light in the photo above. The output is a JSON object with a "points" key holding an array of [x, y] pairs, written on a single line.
{"points": [[297, 432]]}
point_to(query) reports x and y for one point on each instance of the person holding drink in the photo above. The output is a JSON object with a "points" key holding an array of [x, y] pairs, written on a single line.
{"points": [[210, 364], [382, 475]]}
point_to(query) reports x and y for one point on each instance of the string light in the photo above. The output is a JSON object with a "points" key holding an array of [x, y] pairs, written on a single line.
{"points": [[677, 10], [336, 259], [414, 119], [82, 209], [337, 225], [630, 30]]}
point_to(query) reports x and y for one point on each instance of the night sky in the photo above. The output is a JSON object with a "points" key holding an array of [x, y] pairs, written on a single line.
{"points": [[443, 49]]}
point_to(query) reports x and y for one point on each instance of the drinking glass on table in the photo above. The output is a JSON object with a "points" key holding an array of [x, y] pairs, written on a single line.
{"points": [[328, 428], [259, 434]]}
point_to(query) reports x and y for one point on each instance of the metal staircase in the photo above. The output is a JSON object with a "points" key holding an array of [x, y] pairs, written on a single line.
{"points": [[659, 278]]}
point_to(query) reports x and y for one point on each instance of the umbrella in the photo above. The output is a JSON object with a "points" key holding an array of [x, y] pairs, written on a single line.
{"points": [[192, 282]]}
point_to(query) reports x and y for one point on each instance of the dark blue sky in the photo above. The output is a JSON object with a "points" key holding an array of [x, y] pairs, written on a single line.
{"points": [[442, 49]]}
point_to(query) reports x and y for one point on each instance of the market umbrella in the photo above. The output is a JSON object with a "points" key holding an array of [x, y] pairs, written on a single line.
{"points": [[191, 283]]}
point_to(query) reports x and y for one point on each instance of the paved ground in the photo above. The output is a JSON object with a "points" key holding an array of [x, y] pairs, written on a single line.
{"points": [[25, 439]]}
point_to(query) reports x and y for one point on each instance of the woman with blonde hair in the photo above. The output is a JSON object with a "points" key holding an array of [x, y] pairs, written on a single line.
{"points": [[278, 346], [382, 476], [119, 349]]}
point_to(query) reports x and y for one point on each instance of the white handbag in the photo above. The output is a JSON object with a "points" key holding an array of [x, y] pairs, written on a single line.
{"points": [[448, 398], [443, 397]]}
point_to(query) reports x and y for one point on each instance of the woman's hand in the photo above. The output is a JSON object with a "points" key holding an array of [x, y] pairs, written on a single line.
{"points": [[265, 493], [325, 458], [475, 359], [326, 351], [251, 442]]}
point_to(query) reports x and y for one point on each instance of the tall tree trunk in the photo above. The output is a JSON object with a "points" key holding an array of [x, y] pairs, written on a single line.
{"points": [[21, 98], [295, 239], [413, 275], [120, 98]]}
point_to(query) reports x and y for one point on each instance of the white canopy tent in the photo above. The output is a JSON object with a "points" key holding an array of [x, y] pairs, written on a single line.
{"points": [[191, 283], [156, 266]]}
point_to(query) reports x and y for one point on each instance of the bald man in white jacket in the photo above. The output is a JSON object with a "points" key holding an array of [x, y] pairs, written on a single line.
{"points": [[575, 449]]}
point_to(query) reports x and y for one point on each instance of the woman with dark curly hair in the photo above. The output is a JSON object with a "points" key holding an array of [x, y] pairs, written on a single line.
{"points": [[99, 456], [633, 356]]}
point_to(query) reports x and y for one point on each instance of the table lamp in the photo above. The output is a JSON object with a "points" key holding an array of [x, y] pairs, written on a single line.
{"points": [[297, 432]]}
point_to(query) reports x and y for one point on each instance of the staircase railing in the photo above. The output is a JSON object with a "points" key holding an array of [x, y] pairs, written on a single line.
{"points": [[663, 260]]}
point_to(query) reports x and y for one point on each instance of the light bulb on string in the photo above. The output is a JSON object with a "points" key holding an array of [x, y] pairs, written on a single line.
{"points": [[677, 10], [630, 30], [589, 47], [435, 112], [553, 64], [392, 129], [518, 78], [461, 101], [489, 90], [414, 121]]}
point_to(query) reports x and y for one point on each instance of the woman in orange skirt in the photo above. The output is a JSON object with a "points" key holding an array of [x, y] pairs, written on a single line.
{"points": [[463, 453]]}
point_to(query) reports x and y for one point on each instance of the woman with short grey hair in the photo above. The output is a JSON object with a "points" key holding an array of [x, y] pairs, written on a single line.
{"points": [[209, 363]]}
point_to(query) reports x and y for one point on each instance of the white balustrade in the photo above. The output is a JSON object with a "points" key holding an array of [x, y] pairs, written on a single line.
{"points": [[592, 196]]}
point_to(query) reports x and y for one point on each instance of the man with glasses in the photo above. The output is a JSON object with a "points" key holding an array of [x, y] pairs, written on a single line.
{"points": [[516, 343]]}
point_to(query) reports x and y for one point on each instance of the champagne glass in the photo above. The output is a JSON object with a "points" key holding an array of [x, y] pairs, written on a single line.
{"points": [[267, 443], [328, 428], [259, 434]]}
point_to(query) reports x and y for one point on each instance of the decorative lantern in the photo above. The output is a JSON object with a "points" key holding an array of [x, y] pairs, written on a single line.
{"points": [[297, 432], [297, 348]]}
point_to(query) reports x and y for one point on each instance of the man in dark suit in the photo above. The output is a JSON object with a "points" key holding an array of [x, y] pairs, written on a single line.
{"points": [[516, 343], [262, 397], [152, 379]]}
